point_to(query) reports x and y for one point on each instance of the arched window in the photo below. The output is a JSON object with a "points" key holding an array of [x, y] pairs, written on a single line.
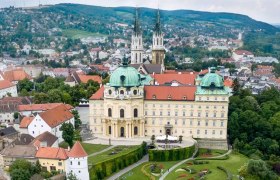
{"points": [[109, 112], [157, 41], [135, 130], [122, 113], [157, 58], [135, 112], [110, 130], [121, 92]]}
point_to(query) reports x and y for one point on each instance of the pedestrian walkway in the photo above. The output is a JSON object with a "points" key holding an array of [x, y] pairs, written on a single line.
{"points": [[129, 168], [99, 152], [180, 163]]}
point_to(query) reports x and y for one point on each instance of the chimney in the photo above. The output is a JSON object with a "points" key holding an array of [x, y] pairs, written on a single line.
{"points": [[68, 149]]}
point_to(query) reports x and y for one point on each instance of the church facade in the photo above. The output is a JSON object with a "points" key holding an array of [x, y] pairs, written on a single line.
{"points": [[129, 106]]}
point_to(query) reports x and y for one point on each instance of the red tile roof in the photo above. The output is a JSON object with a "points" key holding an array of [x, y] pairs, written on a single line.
{"points": [[77, 151], [51, 153], [25, 122], [171, 93], [47, 137], [42, 107], [243, 52], [228, 82], [98, 95], [16, 75], [4, 84], [184, 79], [86, 78], [56, 116]]}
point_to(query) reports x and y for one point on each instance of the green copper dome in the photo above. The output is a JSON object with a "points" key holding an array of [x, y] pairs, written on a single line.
{"points": [[212, 80], [125, 76]]}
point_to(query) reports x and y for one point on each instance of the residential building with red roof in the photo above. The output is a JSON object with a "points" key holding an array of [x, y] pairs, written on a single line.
{"points": [[16, 75], [7, 88], [239, 55], [51, 121], [28, 109], [64, 160]]}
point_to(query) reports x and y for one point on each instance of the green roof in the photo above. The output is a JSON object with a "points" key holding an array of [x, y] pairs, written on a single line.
{"points": [[209, 91], [212, 80], [125, 76]]}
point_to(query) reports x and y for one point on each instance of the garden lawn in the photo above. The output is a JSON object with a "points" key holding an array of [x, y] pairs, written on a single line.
{"points": [[89, 148], [136, 173], [232, 164], [77, 34], [202, 153], [120, 150]]}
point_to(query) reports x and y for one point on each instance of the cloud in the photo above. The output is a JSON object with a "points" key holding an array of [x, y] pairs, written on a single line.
{"points": [[264, 10]]}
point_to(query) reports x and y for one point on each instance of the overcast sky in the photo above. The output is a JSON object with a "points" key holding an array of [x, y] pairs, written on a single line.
{"points": [[264, 10]]}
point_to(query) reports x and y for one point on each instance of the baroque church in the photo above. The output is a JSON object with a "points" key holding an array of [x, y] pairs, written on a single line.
{"points": [[133, 106]]}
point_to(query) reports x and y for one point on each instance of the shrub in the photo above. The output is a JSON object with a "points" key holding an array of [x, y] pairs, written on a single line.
{"points": [[110, 166], [171, 154]]}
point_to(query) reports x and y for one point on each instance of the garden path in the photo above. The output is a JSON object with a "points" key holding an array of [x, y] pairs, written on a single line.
{"points": [[129, 168]]}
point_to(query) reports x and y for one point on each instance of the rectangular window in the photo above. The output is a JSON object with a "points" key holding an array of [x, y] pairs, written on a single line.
{"points": [[79, 163], [191, 114], [176, 113], [198, 114], [191, 122], [59, 163], [222, 123], [222, 115], [160, 113], [206, 123], [184, 122], [206, 114], [198, 131], [176, 121], [153, 121], [184, 113], [214, 123], [154, 113], [205, 131], [146, 113], [198, 123], [213, 132], [214, 115], [168, 113], [221, 132]]}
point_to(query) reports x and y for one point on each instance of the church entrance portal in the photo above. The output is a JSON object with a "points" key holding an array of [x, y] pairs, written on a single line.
{"points": [[122, 131], [168, 131]]}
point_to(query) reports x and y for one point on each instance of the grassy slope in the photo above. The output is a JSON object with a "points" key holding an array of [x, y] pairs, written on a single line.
{"points": [[232, 164], [89, 148], [136, 173], [106, 155], [76, 34]]}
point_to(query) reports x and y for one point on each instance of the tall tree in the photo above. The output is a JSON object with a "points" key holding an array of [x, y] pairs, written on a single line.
{"points": [[236, 86], [68, 133]]}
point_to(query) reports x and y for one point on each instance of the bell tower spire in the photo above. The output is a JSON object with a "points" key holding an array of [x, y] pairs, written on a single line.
{"points": [[137, 41], [158, 51]]}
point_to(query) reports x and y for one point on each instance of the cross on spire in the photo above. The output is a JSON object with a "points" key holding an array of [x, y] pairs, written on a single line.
{"points": [[158, 26], [137, 29]]}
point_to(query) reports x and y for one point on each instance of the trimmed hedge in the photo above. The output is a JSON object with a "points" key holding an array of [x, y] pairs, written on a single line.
{"points": [[171, 154], [106, 168]]}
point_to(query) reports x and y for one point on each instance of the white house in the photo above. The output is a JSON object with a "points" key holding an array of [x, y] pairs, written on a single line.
{"points": [[77, 162], [51, 121], [7, 89], [238, 55]]}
